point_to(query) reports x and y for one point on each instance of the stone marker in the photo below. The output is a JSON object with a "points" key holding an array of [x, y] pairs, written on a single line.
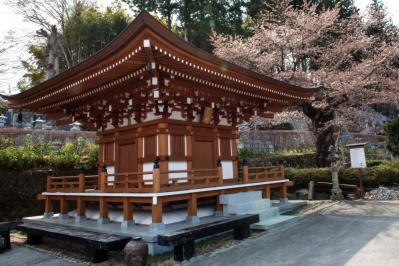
{"points": [[336, 192]]}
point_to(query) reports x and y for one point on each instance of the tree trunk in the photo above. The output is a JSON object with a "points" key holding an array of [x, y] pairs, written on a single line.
{"points": [[324, 135], [53, 54]]}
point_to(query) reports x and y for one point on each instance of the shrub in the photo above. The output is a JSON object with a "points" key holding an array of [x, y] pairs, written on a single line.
{"points": [[248, 153], [383, 174], [391, 129], [371, 163], [282, 126], [395, 165], [296, 159], [43, 155]]}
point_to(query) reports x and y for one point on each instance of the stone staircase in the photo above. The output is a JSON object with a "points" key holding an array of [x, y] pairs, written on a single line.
{"points": [[251, 202]]}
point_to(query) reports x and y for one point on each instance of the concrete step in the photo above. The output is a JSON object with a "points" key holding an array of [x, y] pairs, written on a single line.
{"points": [[266, 213], [247, 207], [289, 205], [275, 222], [240, 197]]}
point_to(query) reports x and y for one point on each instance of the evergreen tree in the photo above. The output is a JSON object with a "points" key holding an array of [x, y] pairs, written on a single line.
{"points": [[83, 31], [196, 20], [347, 7], [379, 25]]}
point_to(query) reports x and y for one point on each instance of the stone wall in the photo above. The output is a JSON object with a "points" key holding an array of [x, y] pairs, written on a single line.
{"points": [[57, 136], [19, 190], [273, 140]]}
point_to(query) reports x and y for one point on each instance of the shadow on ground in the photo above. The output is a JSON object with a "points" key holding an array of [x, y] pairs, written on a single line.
{"points": [[349, 233]]}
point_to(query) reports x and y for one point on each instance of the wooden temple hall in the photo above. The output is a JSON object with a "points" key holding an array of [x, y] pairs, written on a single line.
{"points": [[165, 114]]}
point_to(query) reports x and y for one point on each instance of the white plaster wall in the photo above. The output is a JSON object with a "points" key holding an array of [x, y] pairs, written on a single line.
{"points": [[109, 126], [197, 117], [177, 165], [144, 216], [176, 115], [147, 167], [228, 172], [223, 122], [110, 171], [151, 116], [125, 122]]}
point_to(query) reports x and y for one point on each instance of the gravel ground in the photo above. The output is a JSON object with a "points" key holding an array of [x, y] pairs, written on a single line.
{"points": [[382, 193]]}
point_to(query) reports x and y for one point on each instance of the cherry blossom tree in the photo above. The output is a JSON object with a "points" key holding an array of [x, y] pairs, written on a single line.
{"points": [[352, 67]]}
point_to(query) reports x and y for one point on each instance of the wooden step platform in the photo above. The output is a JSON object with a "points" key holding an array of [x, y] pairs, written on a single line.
{"points": [[5, 228], [183, 240], [96, 244]]}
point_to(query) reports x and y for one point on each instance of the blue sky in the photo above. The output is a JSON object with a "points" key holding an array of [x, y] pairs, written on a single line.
{"points": [[9, 20]]}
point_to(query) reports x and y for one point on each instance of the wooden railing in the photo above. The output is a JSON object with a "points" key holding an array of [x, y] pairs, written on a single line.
{"points": [[151, 181], [126, 182], [260, 174], [80, 183], [192, 179]]}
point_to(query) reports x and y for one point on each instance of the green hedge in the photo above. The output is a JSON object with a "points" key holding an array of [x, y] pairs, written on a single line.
{"points": [[47, 155], [297, 159], [385, 174], [391, 129]]}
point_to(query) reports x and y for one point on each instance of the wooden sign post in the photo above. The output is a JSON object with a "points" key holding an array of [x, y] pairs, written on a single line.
{"points": [[358, 160]]}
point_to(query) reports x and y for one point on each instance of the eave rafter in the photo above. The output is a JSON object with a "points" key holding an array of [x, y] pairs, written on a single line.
{"points": [[182, 62], [147, 69], [120, 66]]}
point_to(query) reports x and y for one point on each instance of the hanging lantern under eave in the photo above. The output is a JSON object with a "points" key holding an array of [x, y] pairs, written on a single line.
{"points": [[207, 115]]}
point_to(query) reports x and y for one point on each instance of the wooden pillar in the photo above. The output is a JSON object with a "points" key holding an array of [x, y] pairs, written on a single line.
{"points": [[282, 172], [266, 192], [156, 178], [156, 211], [163, 149], [283, 193], [218, 206], [103, 178], [245, 171], [48, 207], [80, 210], [140, 149], [63, 208], [192, 209], [80, 207], [127, 213], [189, 148], [220, 171], [234, 153], [103, 210], [48, 181], [82, 179]]}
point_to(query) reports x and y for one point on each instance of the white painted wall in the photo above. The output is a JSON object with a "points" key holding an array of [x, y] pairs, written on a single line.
{"points": [[223, 121], [110, 171], [109, 126], [177, 165], [147, 167], [176, 115], [151, 116], [228, 172]]}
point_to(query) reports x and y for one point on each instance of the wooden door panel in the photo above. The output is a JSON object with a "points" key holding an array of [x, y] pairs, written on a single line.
{"points": [[203, 154], [127, 158]]}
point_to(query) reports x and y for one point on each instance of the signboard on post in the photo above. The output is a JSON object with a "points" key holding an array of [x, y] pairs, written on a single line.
{"points": [[358, 160], [358, 157]]}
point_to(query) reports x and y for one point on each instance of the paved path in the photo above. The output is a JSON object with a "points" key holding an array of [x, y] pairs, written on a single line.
{"points": [[349, 233], [21, 256]]}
